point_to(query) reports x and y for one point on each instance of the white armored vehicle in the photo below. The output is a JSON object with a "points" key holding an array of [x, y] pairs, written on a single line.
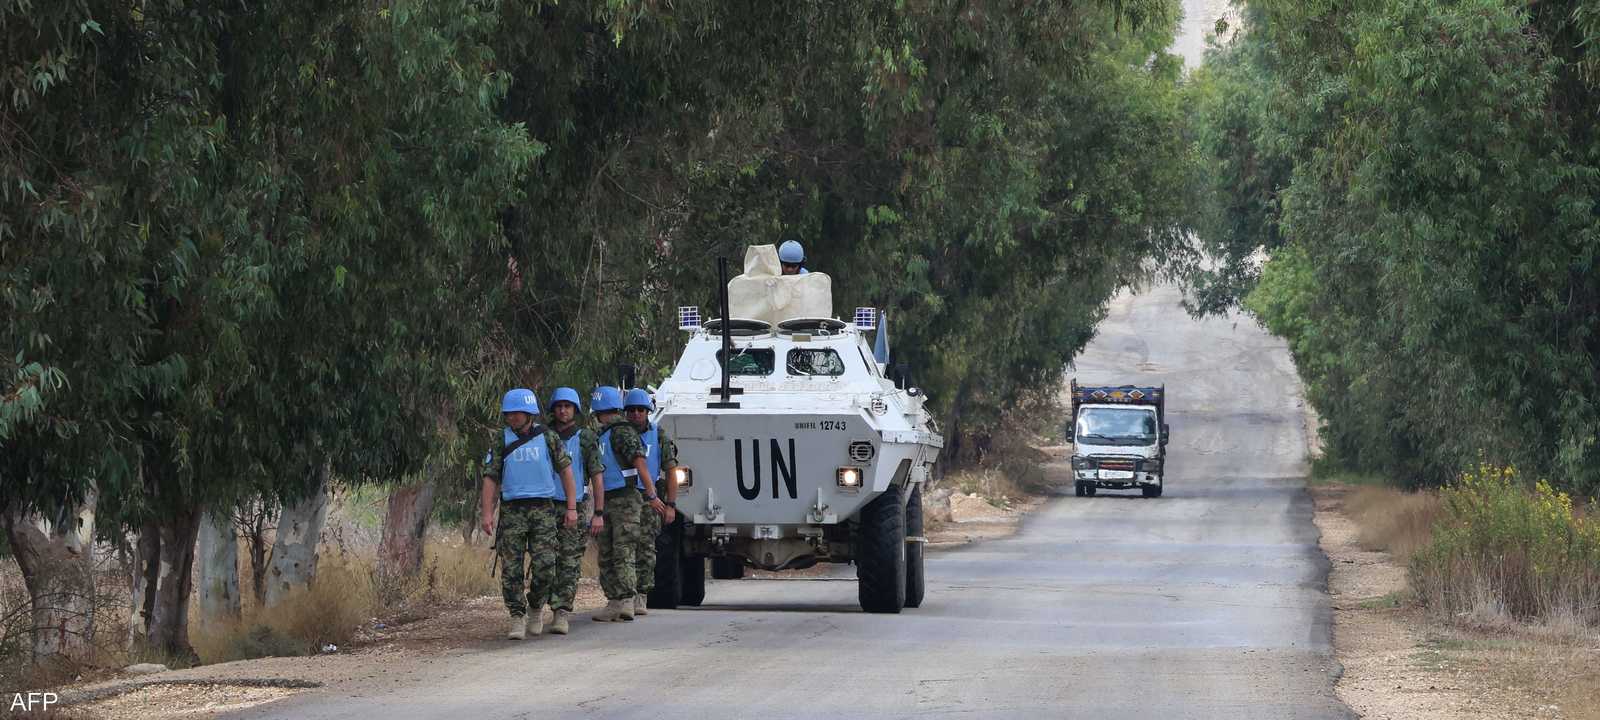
{"points": [[794, 446]]}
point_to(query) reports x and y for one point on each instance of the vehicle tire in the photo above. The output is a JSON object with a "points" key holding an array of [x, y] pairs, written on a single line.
{"points": [[1077, 489], [1088, 490], [665, 594], [914, 550], [692, 580], [1151, 491], [727, 568], [880, 554]]}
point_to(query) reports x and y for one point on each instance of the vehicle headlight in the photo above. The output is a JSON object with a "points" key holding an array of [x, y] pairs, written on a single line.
{"points": [[848, 477], [1152, 466], [1081, 463], [683, 476]]}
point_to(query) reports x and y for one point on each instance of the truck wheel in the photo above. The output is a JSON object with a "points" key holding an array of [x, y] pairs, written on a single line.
{"points": [[1088, 489], [914, 550], [1077, 489], [665, 594], [727, 568], [1152, 491], [692, 580], [881, 554]]}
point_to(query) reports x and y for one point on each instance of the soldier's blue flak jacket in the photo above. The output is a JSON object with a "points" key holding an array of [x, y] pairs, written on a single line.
{"points": [[574, 447], [529, 472]]}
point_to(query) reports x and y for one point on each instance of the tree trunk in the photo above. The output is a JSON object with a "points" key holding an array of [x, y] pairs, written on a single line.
{"points": [[57, 563], [252, 521], [294, 552], [405, 523], [219, 569], [163, 582]]}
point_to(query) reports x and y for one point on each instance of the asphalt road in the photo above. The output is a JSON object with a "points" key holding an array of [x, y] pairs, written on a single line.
{"points": [[1206, 603]]}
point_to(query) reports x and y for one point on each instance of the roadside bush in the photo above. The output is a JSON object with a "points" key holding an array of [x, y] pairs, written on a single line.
{"points": [[1500, 552]]}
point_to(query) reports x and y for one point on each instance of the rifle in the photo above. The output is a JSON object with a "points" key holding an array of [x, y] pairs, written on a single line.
{"points": [[494, 553]]}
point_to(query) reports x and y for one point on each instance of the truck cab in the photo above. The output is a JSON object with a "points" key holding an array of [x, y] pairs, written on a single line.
{"points": [[1119, 435]]}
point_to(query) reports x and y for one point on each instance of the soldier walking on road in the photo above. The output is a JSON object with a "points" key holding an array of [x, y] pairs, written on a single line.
{"points": [[623, 454], [660, 455], [522, 473], [583, 445]]}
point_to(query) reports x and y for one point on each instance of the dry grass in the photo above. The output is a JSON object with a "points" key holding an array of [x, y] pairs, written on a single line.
{"points": [[1393, 521], [346, 595]]}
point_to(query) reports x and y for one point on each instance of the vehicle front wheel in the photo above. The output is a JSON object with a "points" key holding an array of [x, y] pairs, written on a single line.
{"points": [[1152, 491], [692, 580], [665, 593], [915, 585], [880, 554]]}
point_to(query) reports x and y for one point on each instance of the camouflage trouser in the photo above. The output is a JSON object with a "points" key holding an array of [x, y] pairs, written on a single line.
{"points": [[619, 544], [574, 541], [644, 562], [528, 529]]}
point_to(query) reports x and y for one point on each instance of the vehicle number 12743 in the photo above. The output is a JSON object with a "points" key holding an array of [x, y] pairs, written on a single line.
{"points": [[831, 425]]}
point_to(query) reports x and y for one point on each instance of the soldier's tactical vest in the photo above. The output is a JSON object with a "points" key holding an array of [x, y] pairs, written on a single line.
{"points": [[652, 455], [528, 472], [616, 475], [580, 479]]}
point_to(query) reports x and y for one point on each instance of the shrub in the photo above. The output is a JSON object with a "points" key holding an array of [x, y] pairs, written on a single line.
{"points": [[1501, 552], [1394, 521]]}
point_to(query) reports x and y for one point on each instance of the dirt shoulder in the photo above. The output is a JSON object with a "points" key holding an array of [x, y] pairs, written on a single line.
{"points": [[210, 690], [1401, 664]]}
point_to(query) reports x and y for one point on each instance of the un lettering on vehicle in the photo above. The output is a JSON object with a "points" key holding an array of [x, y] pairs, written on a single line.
{"points": [[782, 463]]}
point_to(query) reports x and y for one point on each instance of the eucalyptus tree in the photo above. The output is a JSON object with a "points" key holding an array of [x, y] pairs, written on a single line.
{"points": [[232, 254]]}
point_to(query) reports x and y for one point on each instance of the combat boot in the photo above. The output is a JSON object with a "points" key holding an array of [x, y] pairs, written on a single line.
{"points": [[558, 624], [612, 613], [625, 610], [639, 603], [536, 621], [519, 628]]}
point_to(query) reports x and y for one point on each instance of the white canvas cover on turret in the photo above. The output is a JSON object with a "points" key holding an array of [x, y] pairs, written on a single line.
{"points": [[763, 292]]}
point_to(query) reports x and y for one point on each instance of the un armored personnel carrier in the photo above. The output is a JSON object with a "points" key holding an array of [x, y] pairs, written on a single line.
{"points": [[794, 445]]}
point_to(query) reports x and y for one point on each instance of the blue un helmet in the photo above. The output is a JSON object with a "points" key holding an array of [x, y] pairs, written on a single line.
{"points": [[638, 397], [520, 400], [790, 252], [565, 394], [605, 399]]}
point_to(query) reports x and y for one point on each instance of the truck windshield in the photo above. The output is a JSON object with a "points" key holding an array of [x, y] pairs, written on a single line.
{"points": [[1116, 426]]}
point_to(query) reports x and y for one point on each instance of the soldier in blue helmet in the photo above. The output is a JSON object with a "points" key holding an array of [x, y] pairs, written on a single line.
{"points": [[526, 473], [627, 476], [584, 447], [661, 455], [793, 258]]}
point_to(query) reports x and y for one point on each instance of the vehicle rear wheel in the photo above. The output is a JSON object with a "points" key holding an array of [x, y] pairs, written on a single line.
{"points": [[1152, 491], [692, 580], [665, 594], [727, 568], [914, 549], [880, 554]]}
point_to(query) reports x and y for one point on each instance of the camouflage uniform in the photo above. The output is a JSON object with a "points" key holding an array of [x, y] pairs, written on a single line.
{"points": [[575, 540], [619, 543], [528, 528], [649, 521]]}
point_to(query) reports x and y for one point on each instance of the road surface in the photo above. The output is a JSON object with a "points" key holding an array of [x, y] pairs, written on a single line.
{"points": [[1206, 603]]}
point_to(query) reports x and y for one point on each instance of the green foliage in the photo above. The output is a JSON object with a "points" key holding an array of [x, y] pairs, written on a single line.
{"points": [[1528, 551], [1423, 176]]}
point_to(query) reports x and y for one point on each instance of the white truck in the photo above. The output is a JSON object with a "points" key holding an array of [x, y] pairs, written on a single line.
{"points": [[794, 446], [1119, 435]]}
